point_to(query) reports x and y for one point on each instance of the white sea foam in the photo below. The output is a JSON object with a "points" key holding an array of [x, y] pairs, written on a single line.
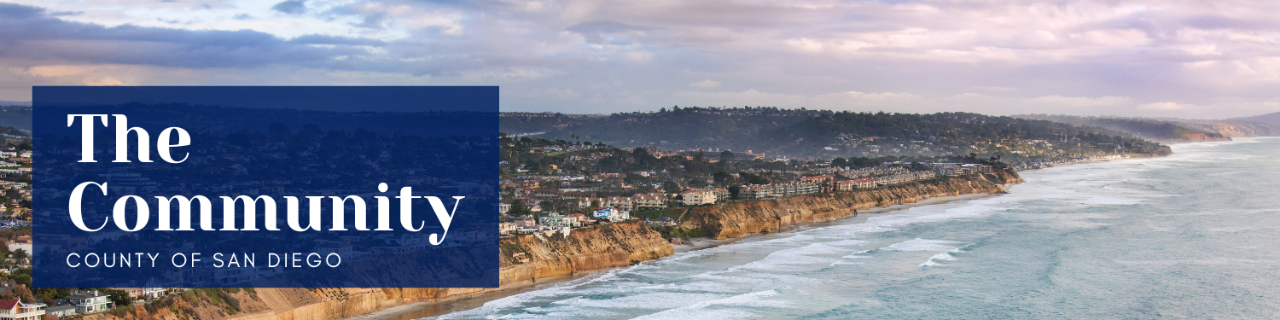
{"points": [[919, 244], [1111, 200], [699, 286], [702, 310], [648, 300]]}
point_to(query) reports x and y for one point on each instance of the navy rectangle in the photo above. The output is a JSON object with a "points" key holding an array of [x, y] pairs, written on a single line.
{"points": [[425, 154]]}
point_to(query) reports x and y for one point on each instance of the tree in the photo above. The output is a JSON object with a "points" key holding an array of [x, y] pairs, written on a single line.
{"points": [[548, 205], [722, 178], [670, 187], [726, 156], [734, 190], [120, 298], [839, 163], [19, 254], [752, 179], [519, 209]]}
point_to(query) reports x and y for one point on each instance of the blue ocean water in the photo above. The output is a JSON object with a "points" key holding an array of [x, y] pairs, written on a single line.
{"points": [[1192, 235]]}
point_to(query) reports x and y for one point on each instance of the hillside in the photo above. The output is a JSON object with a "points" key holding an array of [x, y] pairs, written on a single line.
{"points": [[1147, 128], [828, 134]]}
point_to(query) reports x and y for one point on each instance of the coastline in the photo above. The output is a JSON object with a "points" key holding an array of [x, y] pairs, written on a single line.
{"points": [[419, 310]]}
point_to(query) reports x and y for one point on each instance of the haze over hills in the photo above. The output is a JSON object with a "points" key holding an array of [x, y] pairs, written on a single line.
{"points": [[829, 134], [1153, 129], [1270, 118]]}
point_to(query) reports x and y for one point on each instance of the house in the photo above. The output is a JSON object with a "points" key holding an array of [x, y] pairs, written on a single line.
{"points": [[818, 179], [61, 311], [526, 223], [698, 197], [651, 200], [150, 291], [87, 302], [757, 192], [556, 220], [580, 219], [660, 221], [612, 214], [12, 309]]}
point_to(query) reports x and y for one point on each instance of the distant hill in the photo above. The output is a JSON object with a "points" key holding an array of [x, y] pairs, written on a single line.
{"points": [[1143, 127], [1270, 118], [1233, 128], [1259, 125], [829, 134]]}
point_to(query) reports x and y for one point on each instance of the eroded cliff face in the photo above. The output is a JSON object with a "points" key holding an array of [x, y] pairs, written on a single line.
{"points": [[523, 259], [733, 220], [527, 259], [1200, 137]]}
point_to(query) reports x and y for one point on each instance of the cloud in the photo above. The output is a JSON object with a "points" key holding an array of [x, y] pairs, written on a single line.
{"points": [[705, 84], [30, 34], [597, 31], [291, 7], [1038, 56], [1162, 106]]}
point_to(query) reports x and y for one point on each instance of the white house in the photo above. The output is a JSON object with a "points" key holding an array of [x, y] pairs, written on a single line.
{"points": [[89, 302], [12, 309], [698, 196], [612, 214]]}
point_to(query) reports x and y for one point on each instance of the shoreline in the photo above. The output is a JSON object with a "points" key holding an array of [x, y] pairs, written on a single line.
{"points": [[425, 309]]}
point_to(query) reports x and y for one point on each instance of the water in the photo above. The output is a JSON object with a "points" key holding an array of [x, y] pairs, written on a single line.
{"points": [[1193, 235]]}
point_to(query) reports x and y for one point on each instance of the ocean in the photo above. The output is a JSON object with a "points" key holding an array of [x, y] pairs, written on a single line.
{"points": [[1192, 235]]}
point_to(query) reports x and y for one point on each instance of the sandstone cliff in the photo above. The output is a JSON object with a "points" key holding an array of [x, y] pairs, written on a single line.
{"points": [[733, 220], [529, 258], [523, 259]]}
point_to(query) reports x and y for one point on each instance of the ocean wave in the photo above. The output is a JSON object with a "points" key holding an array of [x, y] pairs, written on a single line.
{"points": [[701, 309]]}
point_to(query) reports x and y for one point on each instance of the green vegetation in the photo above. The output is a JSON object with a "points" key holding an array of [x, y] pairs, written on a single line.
{"points": [[673, 213], [677, 232], [828, 134]]}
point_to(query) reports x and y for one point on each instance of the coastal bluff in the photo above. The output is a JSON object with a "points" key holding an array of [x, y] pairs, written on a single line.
{"points": [[530, 258], [524, 259], [735, 219]]}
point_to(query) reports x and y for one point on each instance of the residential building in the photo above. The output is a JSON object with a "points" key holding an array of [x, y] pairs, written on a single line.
{"points": [[698, 197], [612, 214], [12, 309], [61, 311], [87, 302], [556, 220], [660, 221]]}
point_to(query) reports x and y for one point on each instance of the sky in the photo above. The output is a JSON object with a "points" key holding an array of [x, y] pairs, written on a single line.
{"points": [[1187, 59]]}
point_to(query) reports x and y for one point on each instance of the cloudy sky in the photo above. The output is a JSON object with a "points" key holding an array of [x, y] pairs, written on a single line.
{"points": [[1191, 59]]}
